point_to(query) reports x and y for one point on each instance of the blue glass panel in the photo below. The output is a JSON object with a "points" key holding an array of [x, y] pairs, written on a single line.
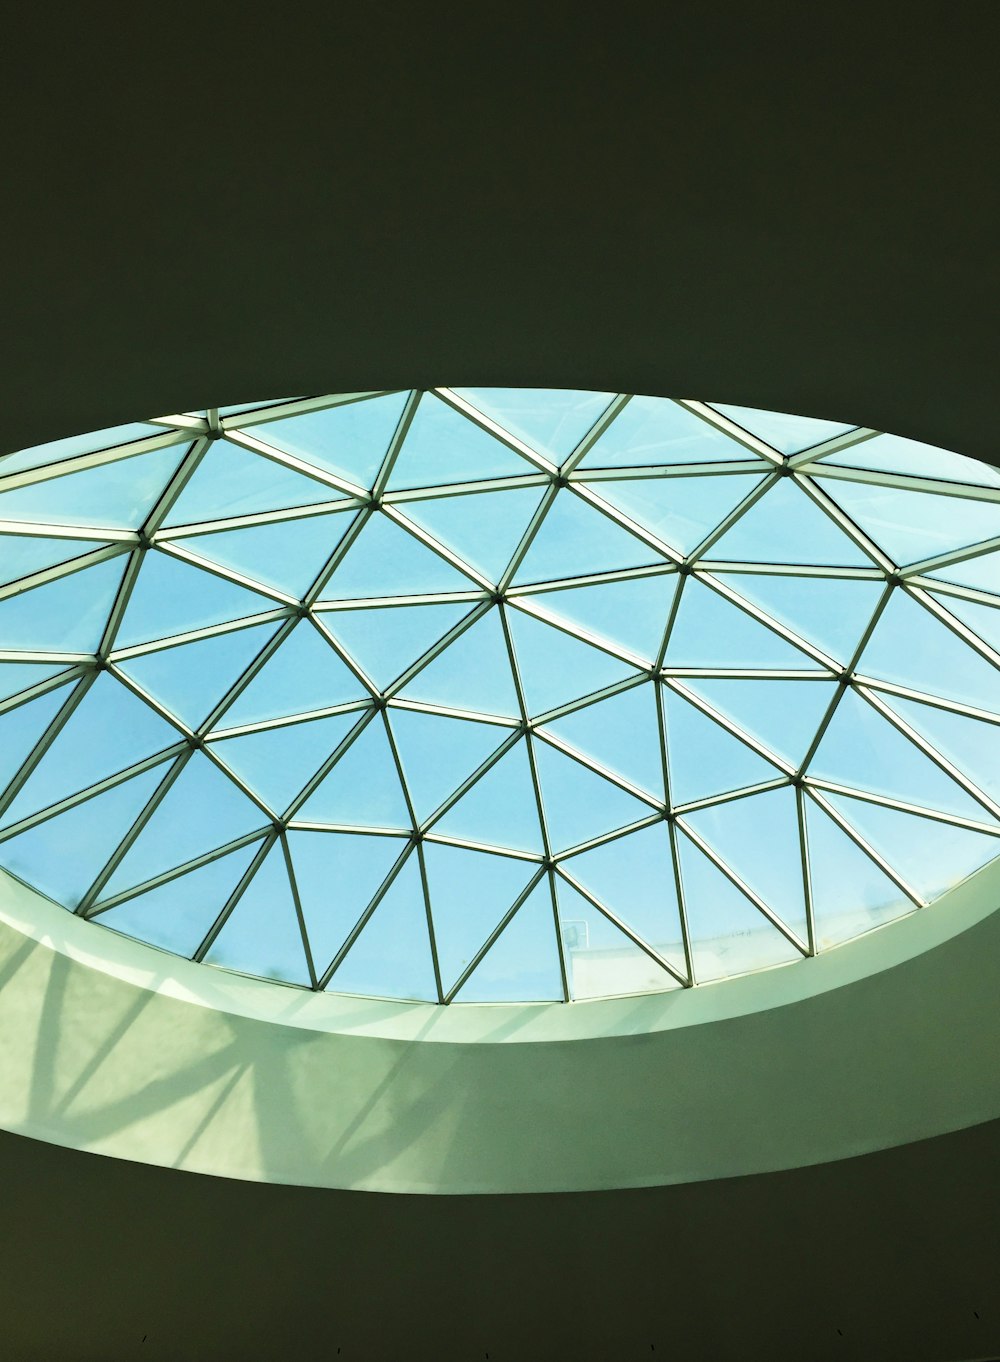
{"points": [[704, 758], [556, 668], [473, 673], [850, 893], [786, 526], [109, 730], [289, 554], [893, 454], [303, 674], [62, 856], [653, 430], [171, 597], [337, 876], [385, 641], [552, 421], [21, 728], [500, 809], [119, 495], [54, 451], [231, 480], [758, 838], [634, 877], [632, 613], [522, 965], [192, 679], [443, 446], [201, 810], [18, 676], [861, 749], [983, 619], [67, 615], [578, 803], [621, 733], [679, 511], [262, 934], [973, 746], [787, 433], [438, 754], [982, 572], [363, 789], [483, 528], [21, 555], [932, 857], [469, 892], [728, 934], [710, 632], [392, 956], [178, 915], [601, 961], [385, 560], [278, 762], [830, 612], [574, 540], [350, 440], [910, 526], [783, 715]]}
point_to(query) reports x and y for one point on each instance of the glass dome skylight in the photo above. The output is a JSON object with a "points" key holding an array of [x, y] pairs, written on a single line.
{"points": [[495, 695]]}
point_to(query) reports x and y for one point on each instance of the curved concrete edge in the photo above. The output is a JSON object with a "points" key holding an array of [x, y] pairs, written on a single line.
{"points": [[113, 1047]]}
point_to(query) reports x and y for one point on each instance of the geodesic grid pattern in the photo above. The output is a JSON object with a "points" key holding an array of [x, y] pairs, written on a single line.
{"points": [[490, 694]]}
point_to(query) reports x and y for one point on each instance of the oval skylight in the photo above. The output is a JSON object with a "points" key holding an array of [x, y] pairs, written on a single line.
{"points": [[497, 695]]}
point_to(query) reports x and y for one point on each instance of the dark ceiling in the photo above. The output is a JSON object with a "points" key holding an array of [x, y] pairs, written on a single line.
{"points": [[769, 204]]}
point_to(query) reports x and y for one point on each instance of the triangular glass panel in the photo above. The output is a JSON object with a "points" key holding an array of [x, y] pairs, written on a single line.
{"points": [[179, 914], [350, 440], [893, 454], [574, 540], [634, 877], [782, 431], [910, 647], [555, 667], [500, 810], [24, 554], [231, 480], [728, 935], [710, 632], [653, 430], [981, 572], [758, 838], [385, 640], [483, 528], [910, 526], [201, 810], [391, 957], [972, 745], [385, 560], [681, 512], [830, 612], [983, 620], [337, 876], [931, 857], [783, 715], [193, 678], [261, 935], [63, 855], [303, 675], [522, 965], [786, 526], [67, 615], [119, 495], [438, 754], [578, 803], [470, 891], [850, 893], [602, 961], [551, 421], [277, 762], [288, 555], [621, 733], [631, 613], [54, 451], [363, 789], [109, 730], [473, 673], [19, 676], [444, 446], [21, 728], [172, 597], [704, 758], [863, 750]]}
